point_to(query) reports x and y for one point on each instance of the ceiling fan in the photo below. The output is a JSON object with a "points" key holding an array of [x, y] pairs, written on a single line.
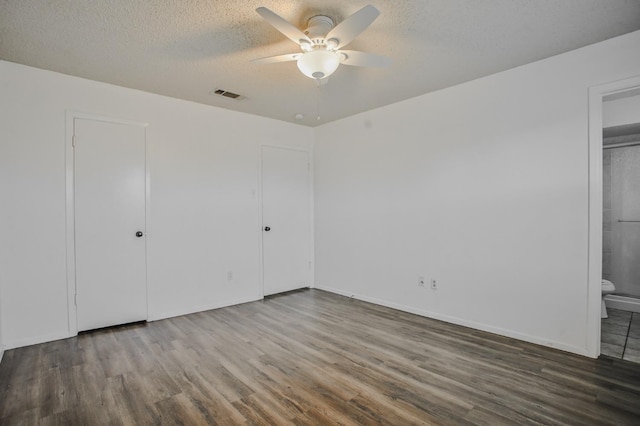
{"points": [[321, 43]]}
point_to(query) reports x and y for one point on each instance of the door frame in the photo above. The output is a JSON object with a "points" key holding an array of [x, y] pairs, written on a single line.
{"points": [[312, 256], [72, 319], [594, 286]]}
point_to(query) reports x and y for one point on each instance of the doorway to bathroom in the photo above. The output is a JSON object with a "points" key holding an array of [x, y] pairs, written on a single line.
{"points": [[614, 219], [620, 330]]}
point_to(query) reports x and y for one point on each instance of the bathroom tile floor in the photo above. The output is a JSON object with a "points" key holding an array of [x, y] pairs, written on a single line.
{"points": [[620, 335]]}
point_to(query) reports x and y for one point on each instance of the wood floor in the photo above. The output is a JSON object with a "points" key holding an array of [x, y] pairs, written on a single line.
{"points": [[309, 357]]}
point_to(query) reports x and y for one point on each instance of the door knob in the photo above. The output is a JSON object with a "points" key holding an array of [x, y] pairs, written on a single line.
{"points": [[139, 234], [266, 228]]}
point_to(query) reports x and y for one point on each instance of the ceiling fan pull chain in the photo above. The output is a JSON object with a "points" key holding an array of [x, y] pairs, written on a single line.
{"points": [[318, 99]]}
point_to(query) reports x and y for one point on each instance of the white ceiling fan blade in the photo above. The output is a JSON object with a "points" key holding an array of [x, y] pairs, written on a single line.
{"points": [[282, 25], [362, 59], [351, 27], [275, 59]]}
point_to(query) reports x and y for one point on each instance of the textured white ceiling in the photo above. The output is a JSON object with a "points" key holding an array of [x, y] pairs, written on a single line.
{"points": [[186, 48]]}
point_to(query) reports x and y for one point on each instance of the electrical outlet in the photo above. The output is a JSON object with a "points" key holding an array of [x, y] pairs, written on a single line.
{"points": [[434, 283], [420, 281]]}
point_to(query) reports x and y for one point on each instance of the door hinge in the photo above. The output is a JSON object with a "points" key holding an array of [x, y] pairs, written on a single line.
{"points": [[73, 141], [75, 299]]}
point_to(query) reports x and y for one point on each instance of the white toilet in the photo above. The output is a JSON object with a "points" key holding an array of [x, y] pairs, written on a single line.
{"points": [[607, 288]]}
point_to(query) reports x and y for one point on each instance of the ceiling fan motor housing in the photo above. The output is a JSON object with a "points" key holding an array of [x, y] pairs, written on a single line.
{"points": [[317, 29]]}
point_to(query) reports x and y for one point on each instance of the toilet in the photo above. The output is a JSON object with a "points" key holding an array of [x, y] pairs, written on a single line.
{"points": [[607, 288]]}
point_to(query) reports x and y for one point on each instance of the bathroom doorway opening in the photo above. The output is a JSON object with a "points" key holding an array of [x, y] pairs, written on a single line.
{"points": [[614, 126], [620, 328]]}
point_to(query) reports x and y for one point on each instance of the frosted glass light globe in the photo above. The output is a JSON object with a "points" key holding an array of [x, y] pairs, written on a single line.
{"points": [[319, 64]]}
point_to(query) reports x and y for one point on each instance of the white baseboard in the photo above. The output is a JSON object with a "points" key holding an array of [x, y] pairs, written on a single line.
{"points": [[201, 308], [28, 341], [459, 321]]}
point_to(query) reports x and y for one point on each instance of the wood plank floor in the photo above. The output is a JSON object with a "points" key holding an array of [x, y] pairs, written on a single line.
{"points": [[309, 357]]}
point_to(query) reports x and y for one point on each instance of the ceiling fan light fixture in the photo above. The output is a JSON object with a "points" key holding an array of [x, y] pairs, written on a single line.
{"points": [[319, 64]]}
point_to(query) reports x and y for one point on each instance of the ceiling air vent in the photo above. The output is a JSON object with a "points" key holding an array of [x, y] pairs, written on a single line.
{"points": [[226, 94]]}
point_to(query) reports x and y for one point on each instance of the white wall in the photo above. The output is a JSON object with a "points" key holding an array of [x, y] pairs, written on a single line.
{"points": [[204, 215], [620, 112], [482, 186]]}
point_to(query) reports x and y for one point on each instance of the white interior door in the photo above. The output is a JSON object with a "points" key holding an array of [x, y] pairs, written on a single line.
{"points": [[286, 214], [625, 205], [110, 248]]}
